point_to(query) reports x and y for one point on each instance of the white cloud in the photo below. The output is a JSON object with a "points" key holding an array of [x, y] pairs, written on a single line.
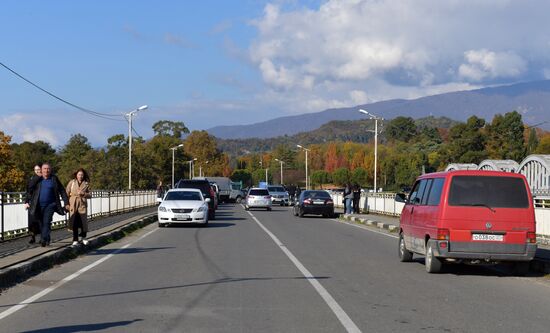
{"points": [[484, 63], [21, 127], [350, 51]]}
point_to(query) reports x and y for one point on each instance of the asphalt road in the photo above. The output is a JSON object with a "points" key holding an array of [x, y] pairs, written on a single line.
{"points": [[269, 272]]}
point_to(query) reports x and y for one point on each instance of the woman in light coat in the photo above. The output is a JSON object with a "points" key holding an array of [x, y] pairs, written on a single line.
{"points": [[78, 191]]}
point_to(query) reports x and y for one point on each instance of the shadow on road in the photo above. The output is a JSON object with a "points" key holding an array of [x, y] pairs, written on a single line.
{"points": [[496, 270], [130, 250], [210, 225], [199, 284], [84, 327]]}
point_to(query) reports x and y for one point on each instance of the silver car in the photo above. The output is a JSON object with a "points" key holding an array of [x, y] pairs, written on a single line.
{"points": [[278, 195], [258, 198]]}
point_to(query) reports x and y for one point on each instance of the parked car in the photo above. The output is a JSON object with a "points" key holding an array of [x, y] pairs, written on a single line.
{"points": [[258, 198], [207, 192], [183, 205], [278, 195], [470, 216], [315, 202]]}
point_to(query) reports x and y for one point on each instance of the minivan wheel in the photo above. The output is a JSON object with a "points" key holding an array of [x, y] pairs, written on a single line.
{"points": [[404, 254], [433, 264]]}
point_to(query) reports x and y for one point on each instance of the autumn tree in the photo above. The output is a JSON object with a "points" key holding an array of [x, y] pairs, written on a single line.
{"points": [[12, 179]]}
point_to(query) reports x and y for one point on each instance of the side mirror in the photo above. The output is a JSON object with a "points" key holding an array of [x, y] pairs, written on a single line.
{"points": [[207, 200], [401, 197]]}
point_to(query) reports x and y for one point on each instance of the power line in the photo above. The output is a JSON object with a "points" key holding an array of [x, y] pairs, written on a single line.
{"points": [[93, 113]]}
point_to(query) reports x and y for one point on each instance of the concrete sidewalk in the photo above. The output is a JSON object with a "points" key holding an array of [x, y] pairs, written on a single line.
{"points": [[541, 263], [21, 265]]}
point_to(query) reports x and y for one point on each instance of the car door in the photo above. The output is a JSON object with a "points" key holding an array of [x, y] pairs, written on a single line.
{"points": [[416, 217], [406, 216]]}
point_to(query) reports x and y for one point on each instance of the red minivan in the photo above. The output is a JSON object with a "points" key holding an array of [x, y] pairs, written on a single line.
{"points": [[470, 216]]}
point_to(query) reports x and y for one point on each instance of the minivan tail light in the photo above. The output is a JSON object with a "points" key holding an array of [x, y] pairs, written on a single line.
{"points": [[443, 234], [531, 237]]}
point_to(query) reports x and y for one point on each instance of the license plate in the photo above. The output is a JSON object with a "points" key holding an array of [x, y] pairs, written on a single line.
{"points": [[488, 237], [318, 202], [181, 216]]}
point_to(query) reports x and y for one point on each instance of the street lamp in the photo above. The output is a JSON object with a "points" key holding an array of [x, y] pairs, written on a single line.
{"points": [[200, 168], [261, 167], [191, 167], [278, 160], [307, 178], [173, 151], [129, 116], [371, 116]]}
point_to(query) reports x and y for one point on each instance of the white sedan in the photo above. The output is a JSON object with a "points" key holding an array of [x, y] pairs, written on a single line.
{"points": [[183, 205]]}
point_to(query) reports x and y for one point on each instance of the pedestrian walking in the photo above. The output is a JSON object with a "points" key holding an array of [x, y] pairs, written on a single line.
{"points": [[356, 198], [78, 190], [348, 198], [33, 224], [160, 190], [46, 200]]}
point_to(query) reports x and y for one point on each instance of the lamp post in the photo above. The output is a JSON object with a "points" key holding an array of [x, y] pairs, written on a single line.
{"points": [[281, 162], [371, 116], [129, 116], [261, 167], [173, 151], [307, 178], [191, 167], [200, 168]]}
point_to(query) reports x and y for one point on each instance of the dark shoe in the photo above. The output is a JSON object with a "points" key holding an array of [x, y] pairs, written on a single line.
{"points": [[43, 243], [33, 240]]}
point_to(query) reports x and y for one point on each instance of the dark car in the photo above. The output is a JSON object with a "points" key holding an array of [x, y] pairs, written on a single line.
{"points": [[314, 202], [207, 192]]}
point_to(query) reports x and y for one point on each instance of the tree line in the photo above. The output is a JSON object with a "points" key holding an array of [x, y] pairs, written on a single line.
{"points": [[406, 148]]}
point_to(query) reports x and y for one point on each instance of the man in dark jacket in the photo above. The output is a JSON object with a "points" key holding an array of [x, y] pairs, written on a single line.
{"points": [[33, 223], [46, 201]]}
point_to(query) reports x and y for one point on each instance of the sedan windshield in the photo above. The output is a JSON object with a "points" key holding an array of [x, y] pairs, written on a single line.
{"points": [[183, 195]]}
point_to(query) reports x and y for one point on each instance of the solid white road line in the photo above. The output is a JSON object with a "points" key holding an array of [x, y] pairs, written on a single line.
{"points": [[365, 228], [48, 290], [345, 320]]}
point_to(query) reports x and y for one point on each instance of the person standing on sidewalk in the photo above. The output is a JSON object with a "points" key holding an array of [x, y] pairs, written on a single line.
{"points": [[356, 198], [46, 201], [78, 191], [348, 198], [33, 224]]}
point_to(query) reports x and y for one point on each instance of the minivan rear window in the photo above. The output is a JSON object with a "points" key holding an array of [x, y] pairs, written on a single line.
{"points": [[491, 191]]}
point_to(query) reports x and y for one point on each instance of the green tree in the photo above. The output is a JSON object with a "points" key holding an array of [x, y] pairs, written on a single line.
{"points": [[466, 142], [401, 129], [75, 154], [341, 176], [360, 176], [28, 154], [505, 137], [320, 177], [174, 129], [532, 141], [243, 176], [203, 147]]}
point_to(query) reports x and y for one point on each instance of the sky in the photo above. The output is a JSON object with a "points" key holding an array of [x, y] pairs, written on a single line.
{"points": [[209, 63]]}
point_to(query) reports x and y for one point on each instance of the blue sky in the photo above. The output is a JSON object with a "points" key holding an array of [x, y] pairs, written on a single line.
{"points": [[210, 63]]}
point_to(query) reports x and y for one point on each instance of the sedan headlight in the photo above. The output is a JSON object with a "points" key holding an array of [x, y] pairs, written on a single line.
{"points": [[163, 209], [200, 209]]}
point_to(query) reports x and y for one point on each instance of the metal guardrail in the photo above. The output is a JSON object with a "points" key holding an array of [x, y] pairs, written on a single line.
{"points": [[14, 216]]}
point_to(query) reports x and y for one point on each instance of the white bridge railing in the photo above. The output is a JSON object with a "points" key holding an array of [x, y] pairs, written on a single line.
{"points": [[14, 216], [385, 204]]}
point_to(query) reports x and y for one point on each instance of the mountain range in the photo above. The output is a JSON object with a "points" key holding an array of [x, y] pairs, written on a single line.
{"points": [[531, 99]]}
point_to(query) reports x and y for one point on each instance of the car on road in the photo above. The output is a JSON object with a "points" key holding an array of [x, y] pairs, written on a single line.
{"points": [[257, 198], [316, 202], [469, 216], [278, 195], [206, 190], [183, 205]]}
